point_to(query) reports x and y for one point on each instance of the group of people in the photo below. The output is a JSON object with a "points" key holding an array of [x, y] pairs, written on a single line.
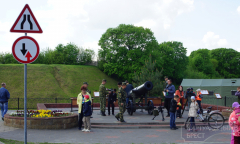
{"points": [[123, 97], [174, 103]]}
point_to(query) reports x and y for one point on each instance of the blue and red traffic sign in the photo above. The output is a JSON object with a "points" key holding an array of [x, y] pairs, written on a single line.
{"points": [[25, 49]]}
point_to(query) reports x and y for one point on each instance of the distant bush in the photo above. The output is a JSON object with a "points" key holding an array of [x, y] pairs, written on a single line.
{"points": [[70, 54]]}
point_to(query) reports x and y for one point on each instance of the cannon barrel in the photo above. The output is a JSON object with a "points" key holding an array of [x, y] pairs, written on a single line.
{"points": [[142, 89]]}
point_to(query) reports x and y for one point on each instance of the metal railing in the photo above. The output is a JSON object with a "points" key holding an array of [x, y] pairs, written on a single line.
{"points": [[18, 103], [225, 101]]}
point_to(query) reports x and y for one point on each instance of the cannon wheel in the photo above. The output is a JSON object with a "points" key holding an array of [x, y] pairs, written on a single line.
{"points": [[150, 107], [130, 108]]}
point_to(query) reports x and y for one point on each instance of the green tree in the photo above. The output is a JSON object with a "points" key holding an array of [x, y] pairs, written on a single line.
{"points": [[48, 56], [149, 72], [71, 52], [191, 73], [2, 58], [201, 61], [228, 62], [171, 56], [85, 55], [9, 59], [68, 53], [124, 50], [40, 59], [90, 54]]}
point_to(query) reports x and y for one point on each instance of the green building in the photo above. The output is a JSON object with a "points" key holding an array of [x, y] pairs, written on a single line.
{"points": [[225, 87]]}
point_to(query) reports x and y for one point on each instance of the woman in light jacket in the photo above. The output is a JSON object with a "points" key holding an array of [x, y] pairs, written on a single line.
{"points": [[80, 101]]}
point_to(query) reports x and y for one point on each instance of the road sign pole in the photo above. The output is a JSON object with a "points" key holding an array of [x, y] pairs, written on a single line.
{"points": [[24, 51], [25, 102]]}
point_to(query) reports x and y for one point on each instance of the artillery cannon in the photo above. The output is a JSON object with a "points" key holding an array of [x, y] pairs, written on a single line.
{"points": [[140, 92]]}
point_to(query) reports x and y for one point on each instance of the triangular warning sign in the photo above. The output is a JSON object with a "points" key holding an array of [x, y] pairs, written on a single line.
{"points": [[26, 22]]}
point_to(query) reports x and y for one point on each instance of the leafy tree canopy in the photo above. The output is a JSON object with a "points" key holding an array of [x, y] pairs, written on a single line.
{"points": [[171, 56], [228, 62], [201, 61], [124, 50]]}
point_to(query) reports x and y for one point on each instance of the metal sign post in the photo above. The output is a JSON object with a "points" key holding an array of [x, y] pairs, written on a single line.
{"points": [[25, 102], [218, 96], [26, 49]]}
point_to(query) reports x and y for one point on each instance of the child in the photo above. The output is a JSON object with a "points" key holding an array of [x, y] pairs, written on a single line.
{"points": [[231, 117], [234, 123], [87, 112], [193, 113], [172, 111], [179, 108], [238, 94], [180, 93]]}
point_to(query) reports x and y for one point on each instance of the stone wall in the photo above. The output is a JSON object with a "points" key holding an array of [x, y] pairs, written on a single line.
{"points": [[42, 123]]}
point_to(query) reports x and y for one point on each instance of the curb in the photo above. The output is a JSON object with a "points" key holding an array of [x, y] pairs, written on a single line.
{"points": [[125, 126], [134, 124]]}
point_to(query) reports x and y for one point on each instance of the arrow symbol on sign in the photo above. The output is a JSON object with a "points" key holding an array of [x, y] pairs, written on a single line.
{"points": [[28, 56], [23, 50]]}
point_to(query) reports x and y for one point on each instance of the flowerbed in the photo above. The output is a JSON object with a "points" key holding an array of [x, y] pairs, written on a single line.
{"points": [[41, 113], [42, 119]]}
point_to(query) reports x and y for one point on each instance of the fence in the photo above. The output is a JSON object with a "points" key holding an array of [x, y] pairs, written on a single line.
{"points": [[225, 101], [18, 103]]}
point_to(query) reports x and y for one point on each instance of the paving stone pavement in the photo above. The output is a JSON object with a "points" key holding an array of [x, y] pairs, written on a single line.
{"points": [[121, 136], [137, 117], [108, 136]]}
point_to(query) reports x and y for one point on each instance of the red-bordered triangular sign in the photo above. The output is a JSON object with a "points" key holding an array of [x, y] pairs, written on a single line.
{"points": [[26, 22]]}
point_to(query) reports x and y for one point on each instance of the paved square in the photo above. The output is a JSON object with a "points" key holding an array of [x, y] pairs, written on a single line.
{"points": [[122, 136]]}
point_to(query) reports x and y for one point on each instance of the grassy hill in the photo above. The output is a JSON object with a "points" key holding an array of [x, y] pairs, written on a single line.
{"points": [[52, 81]]}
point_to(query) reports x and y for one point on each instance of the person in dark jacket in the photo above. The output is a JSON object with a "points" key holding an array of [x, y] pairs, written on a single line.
{"points": [[170, 90], [238, 94], [111, 101], [4, 96], [127, 90], [87, 112], [173, 108]]}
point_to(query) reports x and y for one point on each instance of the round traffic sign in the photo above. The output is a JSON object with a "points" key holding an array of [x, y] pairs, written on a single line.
{"points": [[25, 49]]}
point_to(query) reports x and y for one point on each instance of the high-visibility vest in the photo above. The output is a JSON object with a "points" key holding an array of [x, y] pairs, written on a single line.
{"points": [[198, 98]]}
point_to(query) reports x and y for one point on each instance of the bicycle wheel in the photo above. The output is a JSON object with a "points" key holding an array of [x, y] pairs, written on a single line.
{"points": [[215, 121], [187, 123]]}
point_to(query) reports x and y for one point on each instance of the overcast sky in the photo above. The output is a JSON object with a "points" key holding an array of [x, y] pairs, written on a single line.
{"points": [[196, 23]]}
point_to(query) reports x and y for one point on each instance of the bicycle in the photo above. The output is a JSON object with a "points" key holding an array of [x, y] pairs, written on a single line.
{"points": [[214, 119]]}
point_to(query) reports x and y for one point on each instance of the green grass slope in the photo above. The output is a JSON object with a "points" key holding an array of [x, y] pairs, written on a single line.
{"points": [[52, 81]]}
